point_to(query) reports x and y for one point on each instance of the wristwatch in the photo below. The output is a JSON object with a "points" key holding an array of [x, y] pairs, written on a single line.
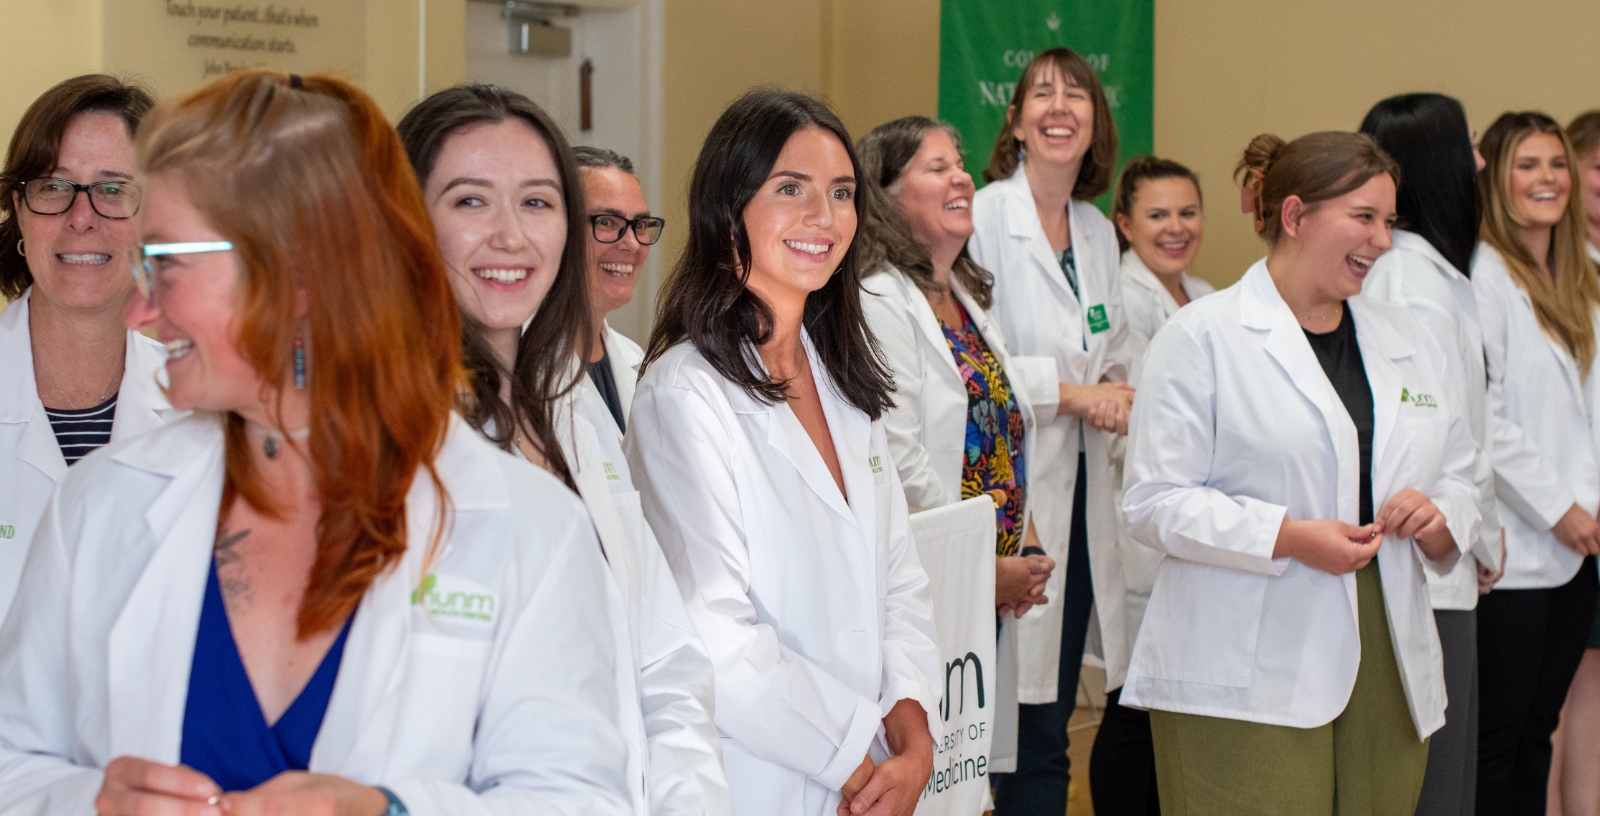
{"points": [[396, 807]]}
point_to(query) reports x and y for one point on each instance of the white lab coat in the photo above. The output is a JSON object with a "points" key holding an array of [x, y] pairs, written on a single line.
{"points": [[1541, 429], [455, 714], [668, 703], [626, 357], [30, 460], [1237, 428], [1040, 317], [1414, 275], [927, 427], [1149, 305], [816, 611]]}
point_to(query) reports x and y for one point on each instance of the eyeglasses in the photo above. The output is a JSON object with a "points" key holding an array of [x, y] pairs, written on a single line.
{"points": [[109, 199], [144, 272], [608, 228]]}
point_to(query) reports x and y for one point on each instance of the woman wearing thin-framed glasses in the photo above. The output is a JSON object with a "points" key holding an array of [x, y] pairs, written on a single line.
{"points": [[72, 376]]}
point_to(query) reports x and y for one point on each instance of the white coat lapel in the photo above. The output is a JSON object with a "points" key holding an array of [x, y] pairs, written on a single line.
{"points": [[852, 443], [140, 403], [1381, 350], [1261, 308], [151, 645], [788, 437], [928, 324], [19, 396], [1022, 219]]}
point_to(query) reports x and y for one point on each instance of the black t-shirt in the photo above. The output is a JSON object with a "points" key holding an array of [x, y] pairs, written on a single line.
{"points": [[600, 373], [1341, 361]]}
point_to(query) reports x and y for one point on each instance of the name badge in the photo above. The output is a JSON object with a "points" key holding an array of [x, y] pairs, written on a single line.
{"points": [[1098, 322], [1417, 398]]}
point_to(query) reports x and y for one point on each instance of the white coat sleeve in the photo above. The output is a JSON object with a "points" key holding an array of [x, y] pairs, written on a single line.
{"points": [[775, 703], [1455, 492], [1041, 385], [42, 768], [676, 693], [911, 661], [892, 324], [1171, 441], [547, 741], [1524, 480]]}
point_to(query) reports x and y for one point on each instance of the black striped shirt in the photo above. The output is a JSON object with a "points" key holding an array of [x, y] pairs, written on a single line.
{"points": [[80, 431]]}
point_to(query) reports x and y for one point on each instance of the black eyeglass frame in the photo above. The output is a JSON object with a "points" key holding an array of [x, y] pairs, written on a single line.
{"points": [[86, 189], [639, 226]]}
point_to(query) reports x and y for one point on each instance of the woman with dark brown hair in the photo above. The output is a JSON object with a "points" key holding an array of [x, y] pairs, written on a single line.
{"points": [[322, 592], [1057, 297], [74, 377], [1300, 459]]}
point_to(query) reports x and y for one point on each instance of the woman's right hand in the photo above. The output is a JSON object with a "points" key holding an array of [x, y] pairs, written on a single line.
{"points": [[139, 787], [1104, 406], [1328, 545], [1578, 531], [1019, 583]]}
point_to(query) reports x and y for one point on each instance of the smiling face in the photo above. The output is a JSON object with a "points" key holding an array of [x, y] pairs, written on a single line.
{"points": [[193, 304], [495, 197], [1540, 181], [614, 268], [935, 192], [1056, 120], [1166, 224], [802, 219], [1340, 238], [80, 259]]}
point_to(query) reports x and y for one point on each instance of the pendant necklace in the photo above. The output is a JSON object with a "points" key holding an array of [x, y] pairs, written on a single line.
{"points": [[273, 439]]}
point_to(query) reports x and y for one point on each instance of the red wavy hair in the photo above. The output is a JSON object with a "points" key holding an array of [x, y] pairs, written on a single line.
{"points": [[313, 187]]}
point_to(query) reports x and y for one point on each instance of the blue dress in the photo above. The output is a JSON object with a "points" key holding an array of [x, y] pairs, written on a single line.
{"points": [[225, 733]]}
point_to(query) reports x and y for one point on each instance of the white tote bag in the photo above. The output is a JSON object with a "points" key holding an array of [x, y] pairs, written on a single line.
{"points": [[956, 545]]}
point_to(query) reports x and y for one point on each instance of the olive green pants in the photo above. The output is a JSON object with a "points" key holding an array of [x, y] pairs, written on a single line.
{"points": [[1367, 762]]}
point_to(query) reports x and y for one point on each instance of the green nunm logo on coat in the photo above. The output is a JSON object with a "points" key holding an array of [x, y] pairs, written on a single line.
{"points": [[8, 531], [446, 596]]}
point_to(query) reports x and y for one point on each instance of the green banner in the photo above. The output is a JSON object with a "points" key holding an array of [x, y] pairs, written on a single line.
{"points": [[984, 45]]}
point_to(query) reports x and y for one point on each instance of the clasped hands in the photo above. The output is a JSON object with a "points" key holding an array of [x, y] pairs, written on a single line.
{"points": [[1338, 548], [139, 787]]}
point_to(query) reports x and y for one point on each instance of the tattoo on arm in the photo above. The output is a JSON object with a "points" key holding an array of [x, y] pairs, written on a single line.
{"points": [[230, 572]]}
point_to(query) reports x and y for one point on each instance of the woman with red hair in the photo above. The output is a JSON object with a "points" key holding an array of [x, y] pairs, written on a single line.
{"points": [[179, 638]]}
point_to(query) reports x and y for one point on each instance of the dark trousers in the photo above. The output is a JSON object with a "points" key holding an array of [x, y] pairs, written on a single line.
{"points": [[1039, 786], [1529, 644], [1450, 786], [1122, 767]]}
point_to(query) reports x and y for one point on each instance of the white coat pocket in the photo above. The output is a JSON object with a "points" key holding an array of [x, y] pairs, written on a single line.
{"points": [[445, 678], [1427, 434], [1218, 614]]}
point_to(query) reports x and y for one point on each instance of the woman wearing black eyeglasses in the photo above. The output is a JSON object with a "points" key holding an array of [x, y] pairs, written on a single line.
{"points": [[621, 232], [72, 376]]}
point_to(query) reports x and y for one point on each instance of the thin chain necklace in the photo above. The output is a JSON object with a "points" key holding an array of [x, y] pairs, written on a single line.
{"points": [[104, 395]]}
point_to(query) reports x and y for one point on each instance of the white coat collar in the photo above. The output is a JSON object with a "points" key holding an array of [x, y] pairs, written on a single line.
{"points": [[928, 322], [1412, 242], [1495, 264], [624, 352], [144, 654], [1139, 274], [141, 406], [1022, 221], [852, 440]]}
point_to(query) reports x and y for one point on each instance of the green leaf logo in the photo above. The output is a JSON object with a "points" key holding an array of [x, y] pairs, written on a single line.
{"points": [[428, 582]]}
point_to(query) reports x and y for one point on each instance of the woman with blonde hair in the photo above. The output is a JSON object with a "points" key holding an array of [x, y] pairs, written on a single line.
{"points": [[1299, 459], [1537, 293], [322, 592]]}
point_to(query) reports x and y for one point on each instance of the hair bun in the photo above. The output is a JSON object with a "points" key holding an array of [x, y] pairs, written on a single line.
{"points": [[1257, 160]]}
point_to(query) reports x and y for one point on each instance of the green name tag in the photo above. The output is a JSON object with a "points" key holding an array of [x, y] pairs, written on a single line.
{"points": [[1097, 319]]}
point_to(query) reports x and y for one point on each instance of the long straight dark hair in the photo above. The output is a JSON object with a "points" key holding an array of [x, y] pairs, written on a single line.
{"points": [[546, 367], [1427, 134], [706, 301]]}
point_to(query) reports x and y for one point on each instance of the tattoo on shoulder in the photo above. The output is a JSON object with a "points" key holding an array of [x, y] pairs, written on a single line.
{"points": [[230, 572]]}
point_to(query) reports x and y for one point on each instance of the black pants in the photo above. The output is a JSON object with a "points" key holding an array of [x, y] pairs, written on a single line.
{"points": [[1450, 787], [1039, 786], [1122, 768], [1529, 644]]}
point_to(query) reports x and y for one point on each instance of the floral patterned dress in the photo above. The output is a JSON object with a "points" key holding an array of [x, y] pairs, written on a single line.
{"points": [[994, 451]]}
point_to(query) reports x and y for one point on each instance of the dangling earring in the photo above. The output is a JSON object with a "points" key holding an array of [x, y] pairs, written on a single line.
{"points": [[299, 363], [19, 248]]}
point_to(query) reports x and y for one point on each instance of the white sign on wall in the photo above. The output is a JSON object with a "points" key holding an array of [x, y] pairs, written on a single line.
{"points": [[956, 545]]}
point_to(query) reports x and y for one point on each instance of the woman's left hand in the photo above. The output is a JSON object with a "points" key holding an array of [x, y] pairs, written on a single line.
{"points": [[898, 781], [296, 793], [1411, 514]]}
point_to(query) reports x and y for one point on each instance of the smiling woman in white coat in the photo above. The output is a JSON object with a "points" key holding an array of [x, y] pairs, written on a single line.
{"points": [[321, 592], [1437, 211], [1537, 299], [1298, 459], [1056, 296], [502, 185], [757, 442], [1160, 224], [74, 376]]}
